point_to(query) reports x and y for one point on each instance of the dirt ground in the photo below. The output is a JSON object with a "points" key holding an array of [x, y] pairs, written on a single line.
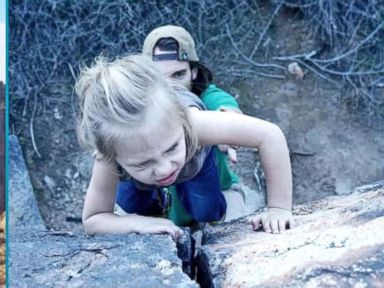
{"points": [[333, 148]]}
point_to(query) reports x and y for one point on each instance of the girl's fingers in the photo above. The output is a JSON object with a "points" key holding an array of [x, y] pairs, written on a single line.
{"points": [[176, 233], [282, 225], [274, 226], [256, 222], [267, 224]]}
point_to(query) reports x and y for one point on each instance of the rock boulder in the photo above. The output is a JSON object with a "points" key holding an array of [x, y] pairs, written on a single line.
{"points": [[337, 242]]}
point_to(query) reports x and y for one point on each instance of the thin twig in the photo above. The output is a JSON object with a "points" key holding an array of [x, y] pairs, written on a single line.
{"points": [[31, 131], [248, 59], [266, 27], [355, 48]]}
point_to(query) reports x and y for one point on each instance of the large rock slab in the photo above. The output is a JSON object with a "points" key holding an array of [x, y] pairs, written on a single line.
{"points": [[41, 258], [23, 210], [61, 259], [338, 242]]}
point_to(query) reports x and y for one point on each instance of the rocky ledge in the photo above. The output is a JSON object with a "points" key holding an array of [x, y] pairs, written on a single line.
{"points": [[61, 259], [41, 258], [337, 242]]}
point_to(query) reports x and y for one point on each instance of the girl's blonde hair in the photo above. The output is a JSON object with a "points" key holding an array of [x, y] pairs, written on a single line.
{"points": [[122, 97]]}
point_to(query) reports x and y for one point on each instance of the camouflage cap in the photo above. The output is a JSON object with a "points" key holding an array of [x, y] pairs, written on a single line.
{"points": [[187, 48]]}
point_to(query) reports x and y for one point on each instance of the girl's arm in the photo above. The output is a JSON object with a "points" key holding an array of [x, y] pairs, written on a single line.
{"points": [[98, 217], [241, 130]]}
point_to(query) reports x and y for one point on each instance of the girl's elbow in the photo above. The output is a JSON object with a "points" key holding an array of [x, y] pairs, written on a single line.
{"points": [[89, 226], [276, 133]]}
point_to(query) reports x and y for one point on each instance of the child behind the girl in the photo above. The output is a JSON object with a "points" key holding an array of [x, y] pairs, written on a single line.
{"points": [[157, 135]]}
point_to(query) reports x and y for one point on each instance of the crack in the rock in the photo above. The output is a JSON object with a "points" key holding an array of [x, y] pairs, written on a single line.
{"points": [[72, 263], [70, 277], [58, 233]]}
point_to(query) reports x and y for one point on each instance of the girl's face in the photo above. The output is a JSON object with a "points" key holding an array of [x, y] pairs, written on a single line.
{"points": [[157, 157]]}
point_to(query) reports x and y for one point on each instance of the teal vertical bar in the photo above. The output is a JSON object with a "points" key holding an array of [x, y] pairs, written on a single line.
{"points": [[6, 140]]}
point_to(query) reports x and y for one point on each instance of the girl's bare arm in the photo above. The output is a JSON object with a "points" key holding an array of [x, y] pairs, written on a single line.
{"points": [[241, 130], [98, 217]]}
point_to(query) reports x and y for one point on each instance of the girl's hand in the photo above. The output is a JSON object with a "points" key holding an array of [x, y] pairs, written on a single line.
{"points": [[154, 225], [274, 220]]}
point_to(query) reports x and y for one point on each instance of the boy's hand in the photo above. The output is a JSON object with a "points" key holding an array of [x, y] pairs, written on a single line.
{"points": [[160, 226], [274, 220], [231, 151]]}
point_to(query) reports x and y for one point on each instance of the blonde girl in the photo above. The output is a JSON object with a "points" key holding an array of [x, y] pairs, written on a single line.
{"points": [[151, 135]]}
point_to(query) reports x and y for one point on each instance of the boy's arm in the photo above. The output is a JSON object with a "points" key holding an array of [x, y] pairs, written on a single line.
{"points": [[230, 150], [216, 99], [98, 217], [237, 129]]}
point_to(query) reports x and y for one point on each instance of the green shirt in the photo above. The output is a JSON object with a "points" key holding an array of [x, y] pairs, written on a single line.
{"points": [[214, 98]]}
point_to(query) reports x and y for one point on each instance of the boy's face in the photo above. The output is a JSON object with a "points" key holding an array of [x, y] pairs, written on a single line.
{"points": [[180, 71], [156, 157]]}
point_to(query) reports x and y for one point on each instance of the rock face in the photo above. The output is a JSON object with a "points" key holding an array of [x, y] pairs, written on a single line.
{"points": [[41, 258], [23, 210], [60, 259], [337, 242]]}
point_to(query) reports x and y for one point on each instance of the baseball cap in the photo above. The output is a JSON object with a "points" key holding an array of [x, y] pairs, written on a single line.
{"points": [[187, 47], [186, 52]]}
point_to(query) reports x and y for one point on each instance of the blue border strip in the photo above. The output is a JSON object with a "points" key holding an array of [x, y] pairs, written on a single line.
{"points": [[6, 141]]}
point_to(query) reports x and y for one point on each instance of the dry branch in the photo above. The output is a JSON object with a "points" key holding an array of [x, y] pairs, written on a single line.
{"points": [[50, 39]]}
